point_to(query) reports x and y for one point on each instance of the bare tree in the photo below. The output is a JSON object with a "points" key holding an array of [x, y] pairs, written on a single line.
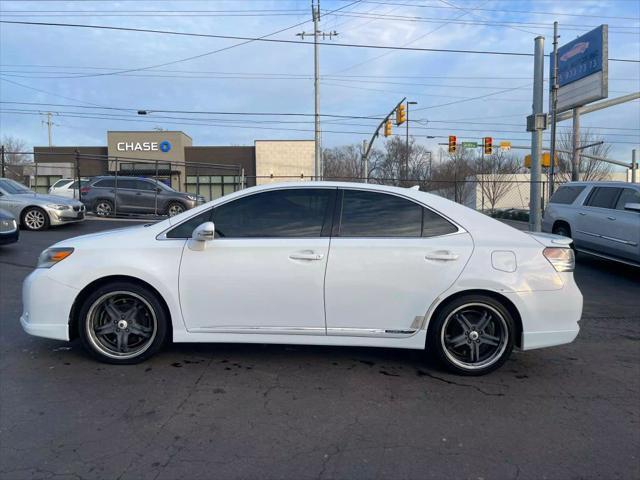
{"points": [[343, 163], [399, 166], [496, 175], [452, 178], [590, 169], [14, 158]]}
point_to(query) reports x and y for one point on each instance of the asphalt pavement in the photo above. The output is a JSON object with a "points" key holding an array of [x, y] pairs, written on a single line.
{"points": [[205, 411]]}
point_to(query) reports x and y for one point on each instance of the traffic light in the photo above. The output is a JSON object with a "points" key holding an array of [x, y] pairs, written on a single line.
{"points": [[452, 144], [401, 114], [488, 145], [387, 128]]}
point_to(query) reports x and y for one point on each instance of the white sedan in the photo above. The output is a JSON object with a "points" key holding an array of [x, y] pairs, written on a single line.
{"points": [[314, 263]]}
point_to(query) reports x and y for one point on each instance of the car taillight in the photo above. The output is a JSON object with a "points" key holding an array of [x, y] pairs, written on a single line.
{"points": [[85, 189], [562, 259]]}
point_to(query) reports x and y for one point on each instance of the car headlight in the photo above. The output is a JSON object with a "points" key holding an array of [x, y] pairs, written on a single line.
{"points": [[51, 256], [8, 225], [193, 198], [59, 207], [562, 259]]}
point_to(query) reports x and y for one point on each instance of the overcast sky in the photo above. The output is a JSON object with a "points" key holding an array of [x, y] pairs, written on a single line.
{"points": [[78, 67]]}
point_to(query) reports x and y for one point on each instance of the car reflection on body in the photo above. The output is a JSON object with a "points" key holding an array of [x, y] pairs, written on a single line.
{"points": [[9, 232]]}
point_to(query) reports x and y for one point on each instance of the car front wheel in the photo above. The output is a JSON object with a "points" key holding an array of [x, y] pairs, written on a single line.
{"points": [[473, 335], [175, 208], [34, 218], [122, 323]]}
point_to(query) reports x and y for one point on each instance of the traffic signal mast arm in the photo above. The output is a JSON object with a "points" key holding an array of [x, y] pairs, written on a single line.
{"points": [[382, 123]]}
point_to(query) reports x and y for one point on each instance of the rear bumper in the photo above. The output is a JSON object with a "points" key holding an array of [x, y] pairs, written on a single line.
{"points": [[46, 306], [549, 318]]}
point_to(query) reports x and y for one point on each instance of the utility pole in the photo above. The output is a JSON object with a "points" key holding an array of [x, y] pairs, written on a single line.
{"points": [[2, 160], [634, 166], [554, 107], [49, 124], [315, 13], [406, 164], [536, 123], [365, 161], [575, 156]]}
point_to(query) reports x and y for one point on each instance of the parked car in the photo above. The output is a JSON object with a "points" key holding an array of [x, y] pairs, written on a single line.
{"points": [[602, 218], [316, 263], [106, 196], [9, 232], [36, 211], [67, 187]]}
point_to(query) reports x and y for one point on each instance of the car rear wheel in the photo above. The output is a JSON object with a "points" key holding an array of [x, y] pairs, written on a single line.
{"points": [[473, 335], [35, 218], [175, 208], [122, 323], [104, 208]]}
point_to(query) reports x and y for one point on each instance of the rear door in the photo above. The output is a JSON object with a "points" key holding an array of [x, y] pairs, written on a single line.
{"points": [[390, 258], [625, 230], [597, 218], [128, 195]]}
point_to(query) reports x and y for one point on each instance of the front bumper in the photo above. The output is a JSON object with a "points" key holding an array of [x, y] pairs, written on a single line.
{"points": [[46, 305], [59, 217], [9, 237]]}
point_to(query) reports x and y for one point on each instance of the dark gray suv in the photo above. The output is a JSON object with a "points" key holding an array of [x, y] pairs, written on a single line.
{"points": [[106, 196]]}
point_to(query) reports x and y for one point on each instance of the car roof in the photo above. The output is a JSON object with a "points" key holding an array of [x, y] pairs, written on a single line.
{"points": [[603, 183]]}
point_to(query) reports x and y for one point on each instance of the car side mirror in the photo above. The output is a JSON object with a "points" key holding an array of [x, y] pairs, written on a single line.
{"points": [[634, 207], [202, 234]]}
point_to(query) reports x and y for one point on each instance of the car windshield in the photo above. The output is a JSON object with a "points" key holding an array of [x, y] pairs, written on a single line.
{"points": [[164, 186], [13, 187]]}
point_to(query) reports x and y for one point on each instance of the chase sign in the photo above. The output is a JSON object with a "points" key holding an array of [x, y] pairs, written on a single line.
{"points": [[163, 146]]}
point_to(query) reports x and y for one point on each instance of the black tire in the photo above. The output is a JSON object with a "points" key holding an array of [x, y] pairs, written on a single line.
{"points": [[35, 219], [112, 334], [457, 339], [104, 208], [175, 208], [562, 229]]}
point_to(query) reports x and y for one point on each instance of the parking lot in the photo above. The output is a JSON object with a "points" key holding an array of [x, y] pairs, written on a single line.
{"points": [[263, 411]]}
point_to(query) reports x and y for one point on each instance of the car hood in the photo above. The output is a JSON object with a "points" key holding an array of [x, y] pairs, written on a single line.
{"points": [[48, 199], [115, 237]]}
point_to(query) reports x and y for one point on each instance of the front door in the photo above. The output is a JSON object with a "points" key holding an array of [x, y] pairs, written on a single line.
{"points": [[264, 270], [390, 259]]}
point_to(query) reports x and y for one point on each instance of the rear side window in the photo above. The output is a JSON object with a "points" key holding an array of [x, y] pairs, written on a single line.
{"points": [[603, 197], [185, 229], [106, 183], [566, 194], [61, 183], [628, 195], [434, 225], [289, 213], [373, 214], [127, 183]]}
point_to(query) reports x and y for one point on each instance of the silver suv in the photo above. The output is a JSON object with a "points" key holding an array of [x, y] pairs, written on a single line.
{"points": [[106, 196], [603, 218]]}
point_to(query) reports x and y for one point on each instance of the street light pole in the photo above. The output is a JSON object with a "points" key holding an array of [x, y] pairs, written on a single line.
{"points": [[406, 164]]}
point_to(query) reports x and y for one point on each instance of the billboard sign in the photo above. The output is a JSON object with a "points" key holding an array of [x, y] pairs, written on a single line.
{"points": [[583, 69]]}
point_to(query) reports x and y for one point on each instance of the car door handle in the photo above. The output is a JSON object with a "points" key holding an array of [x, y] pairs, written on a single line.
{"points": [[138, 193], [611, 218], [581, 213], [442, 256], [306, 256]]}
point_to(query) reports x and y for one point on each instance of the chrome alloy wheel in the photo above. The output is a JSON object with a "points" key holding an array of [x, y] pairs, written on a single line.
{"points": [[474, 336], [35, 219], [121, 325], [175, 209], [104, 209]]}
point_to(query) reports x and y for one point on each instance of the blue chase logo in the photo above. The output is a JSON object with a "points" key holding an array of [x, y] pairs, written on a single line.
{"points": [[165, 146]]}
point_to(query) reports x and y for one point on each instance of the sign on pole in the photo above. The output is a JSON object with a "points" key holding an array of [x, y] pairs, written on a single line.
{"points": [[583, 69], [504, 145], [469, 144]]}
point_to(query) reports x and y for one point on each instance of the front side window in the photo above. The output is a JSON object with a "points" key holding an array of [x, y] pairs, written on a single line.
{"points": [[628, 195], [603, 197], [12, 187], [126, 183], [279, 213], [145, 185], [566, 194], [373, 214], [185, 229]]}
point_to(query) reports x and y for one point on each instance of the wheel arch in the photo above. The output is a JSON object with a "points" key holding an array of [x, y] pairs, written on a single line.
{"points": [[508, 304], [84, 293], [27, 207]]}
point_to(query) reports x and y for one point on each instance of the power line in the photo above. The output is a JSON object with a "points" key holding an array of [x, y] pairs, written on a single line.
{"points": [[273, 40]]}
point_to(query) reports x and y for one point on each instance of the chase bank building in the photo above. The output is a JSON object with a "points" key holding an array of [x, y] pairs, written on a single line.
{"points": [[170, 156]]}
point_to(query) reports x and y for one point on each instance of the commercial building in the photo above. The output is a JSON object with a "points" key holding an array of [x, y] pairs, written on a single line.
{"points": [[170, 156]]}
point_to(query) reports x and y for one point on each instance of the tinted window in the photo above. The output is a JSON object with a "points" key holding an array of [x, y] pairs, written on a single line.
{"points": [[628, 195], [74, 185], [185, 229], [145, 185], [107, 183], [280, 213], [434, 225], [603, 197], [566, 194], [126, 183], [372, 214], [13, 187], [61, 183]]}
